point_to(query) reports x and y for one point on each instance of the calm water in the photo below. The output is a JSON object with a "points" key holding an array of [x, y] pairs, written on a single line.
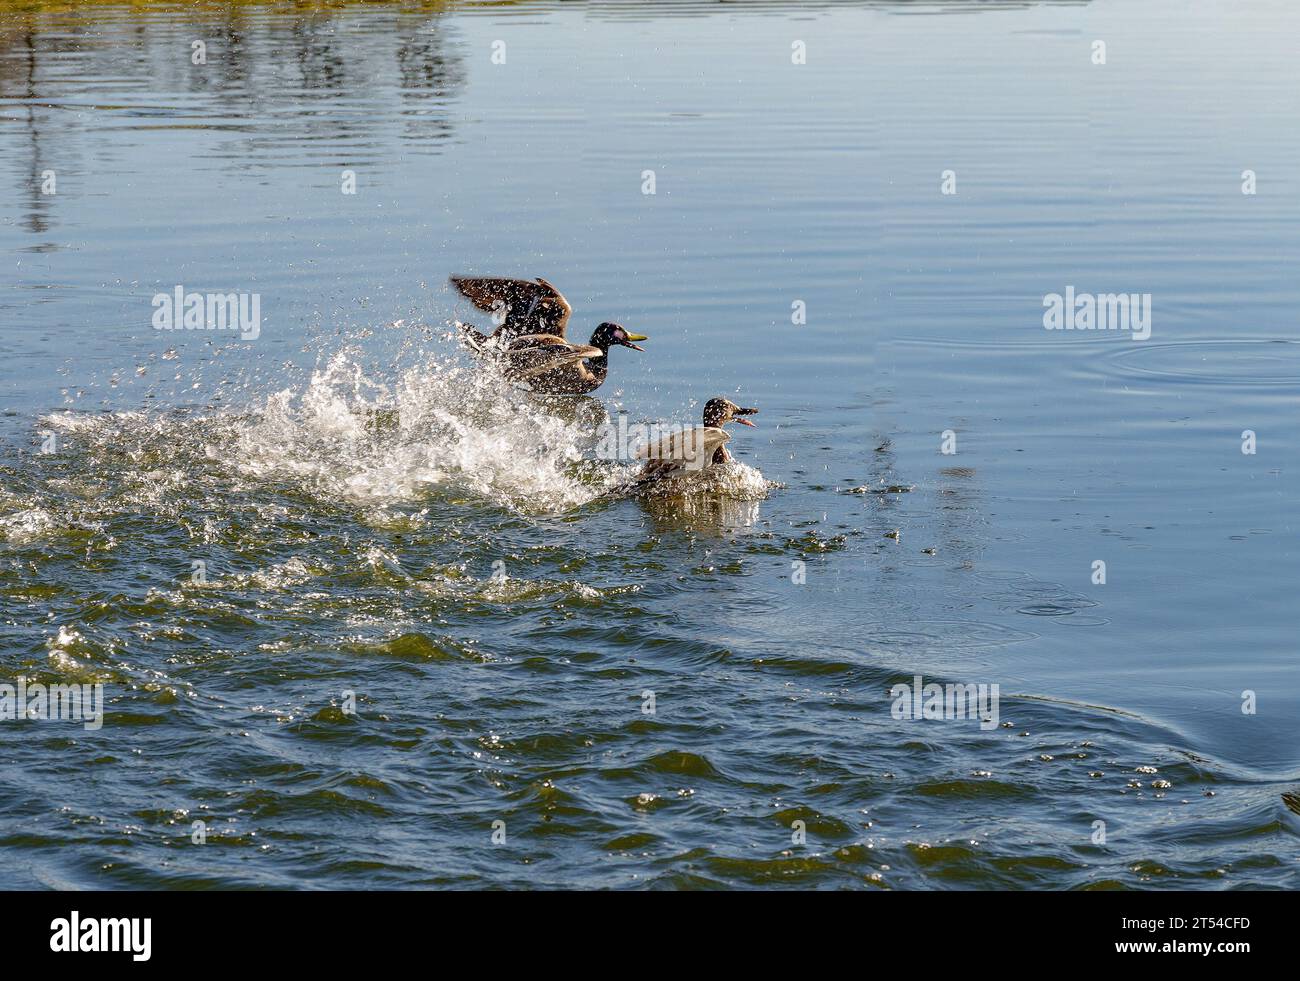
{"points": [[375, 516]]}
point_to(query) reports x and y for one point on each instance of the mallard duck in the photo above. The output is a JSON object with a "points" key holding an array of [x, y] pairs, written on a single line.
{"points": [[530, 345], [693, 449], [554, 366]]}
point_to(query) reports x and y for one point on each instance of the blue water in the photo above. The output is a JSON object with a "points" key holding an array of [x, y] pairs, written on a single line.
{"points": [[351, 480]]}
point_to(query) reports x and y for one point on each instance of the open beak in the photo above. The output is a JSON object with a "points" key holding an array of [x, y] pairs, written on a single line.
{"points": [[635, 337], [745, 412]]}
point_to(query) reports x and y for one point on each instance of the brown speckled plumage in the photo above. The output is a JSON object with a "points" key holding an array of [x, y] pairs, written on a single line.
{"points": [[530, 345]]}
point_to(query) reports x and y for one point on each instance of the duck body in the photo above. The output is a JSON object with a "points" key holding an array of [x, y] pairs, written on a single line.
{"points": [[692, 449], [529, 345], [553, 366]]}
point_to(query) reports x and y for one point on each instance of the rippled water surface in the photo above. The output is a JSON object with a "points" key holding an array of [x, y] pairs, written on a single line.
{"points": [[691, 689]]}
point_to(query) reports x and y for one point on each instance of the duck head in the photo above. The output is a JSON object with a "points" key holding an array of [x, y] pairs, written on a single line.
{"points": [[718, 412], [608, 334]]}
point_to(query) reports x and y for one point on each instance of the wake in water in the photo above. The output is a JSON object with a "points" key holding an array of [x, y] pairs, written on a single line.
{"points": [[348, 434]]}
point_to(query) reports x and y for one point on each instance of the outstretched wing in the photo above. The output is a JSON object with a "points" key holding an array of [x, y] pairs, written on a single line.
{"points": [[531, 307]]}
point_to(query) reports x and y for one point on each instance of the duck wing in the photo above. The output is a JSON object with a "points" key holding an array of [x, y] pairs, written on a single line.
{"points": [[536, 354], [688, 449], [531, 306]]}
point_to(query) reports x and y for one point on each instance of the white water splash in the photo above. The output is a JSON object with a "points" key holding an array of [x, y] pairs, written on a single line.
{"points": [[732, 480], [347, 434], [26, 525], [439, 424], [377, 439]]}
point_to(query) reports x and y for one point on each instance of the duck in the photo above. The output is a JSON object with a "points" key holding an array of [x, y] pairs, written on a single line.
{"points": [[550, 365], [693, 449], [529, 345]]}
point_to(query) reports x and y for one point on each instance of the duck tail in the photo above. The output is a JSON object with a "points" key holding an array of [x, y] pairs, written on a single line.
{"points": [[473, 339], [628, 488], [647, 478]]}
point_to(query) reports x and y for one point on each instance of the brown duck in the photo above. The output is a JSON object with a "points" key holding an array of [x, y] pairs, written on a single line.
{"points": [[530, 345], [693, 449]]}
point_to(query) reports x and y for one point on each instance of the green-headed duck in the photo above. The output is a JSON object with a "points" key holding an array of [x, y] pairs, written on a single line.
{"points": [[530, 345]]}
